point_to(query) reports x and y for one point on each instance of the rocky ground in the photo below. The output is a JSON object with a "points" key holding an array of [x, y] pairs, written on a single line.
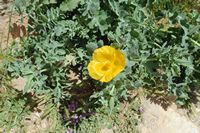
{"points": [[155, 119]]}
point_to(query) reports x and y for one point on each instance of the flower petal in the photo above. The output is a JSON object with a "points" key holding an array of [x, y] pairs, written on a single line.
{"points": [[119, 59], [108, 76], [105, 53], [93, 68]]}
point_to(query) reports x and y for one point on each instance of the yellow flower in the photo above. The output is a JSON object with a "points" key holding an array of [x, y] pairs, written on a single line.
{"points": [[107, 62]]}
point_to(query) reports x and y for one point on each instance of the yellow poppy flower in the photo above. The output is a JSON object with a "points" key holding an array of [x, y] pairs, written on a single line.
{"points": [[107, 62]]}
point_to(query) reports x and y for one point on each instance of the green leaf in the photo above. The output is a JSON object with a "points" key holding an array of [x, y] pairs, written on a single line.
{"points": [[29, 84], [114, 6], [69, 59], [70, 5], [100, 20], [111, 104], [91, 47], [49, 1], [112, 91], [180, 101], [92, 7]]}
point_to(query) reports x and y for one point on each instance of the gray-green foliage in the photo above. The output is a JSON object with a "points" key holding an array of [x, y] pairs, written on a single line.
{"points": [[13, 110], [124, 119], [158, 54], [4, 78]]}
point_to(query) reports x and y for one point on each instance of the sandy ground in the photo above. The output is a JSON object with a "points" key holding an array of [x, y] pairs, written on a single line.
{"points": [[11, 28], [4, 25]]}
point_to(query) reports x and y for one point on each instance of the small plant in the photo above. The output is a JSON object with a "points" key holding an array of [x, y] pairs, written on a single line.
{"points": [[122, 120], [4, 79], [155, 48], [13, 110]]}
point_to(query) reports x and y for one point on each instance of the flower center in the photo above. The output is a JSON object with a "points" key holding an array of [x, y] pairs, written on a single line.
{"points": [[106, 67]]}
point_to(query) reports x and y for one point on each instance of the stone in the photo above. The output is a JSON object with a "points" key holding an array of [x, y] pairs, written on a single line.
{"points": [[106, 130], [157, 120], [19, 83]]}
